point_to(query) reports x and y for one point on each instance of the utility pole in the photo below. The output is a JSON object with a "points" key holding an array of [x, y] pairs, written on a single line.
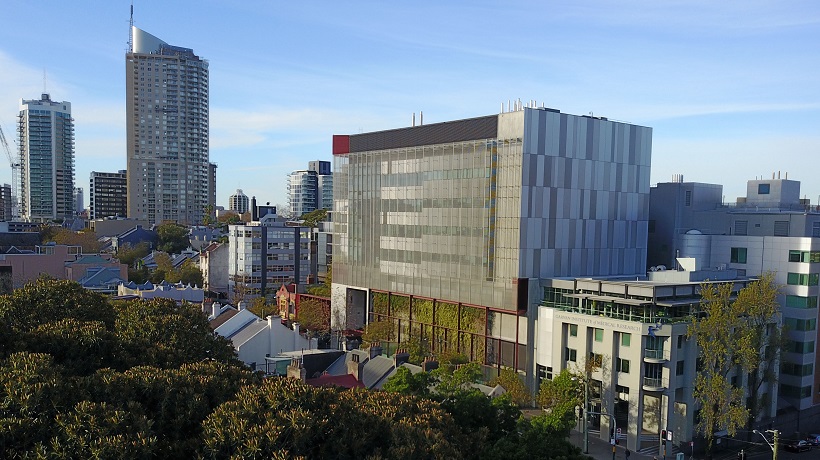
{"points": [[586, 414], [775, 447]]}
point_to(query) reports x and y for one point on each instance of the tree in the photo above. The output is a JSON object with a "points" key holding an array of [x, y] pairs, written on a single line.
{"points": [[313, 315], [173, 238], [86, 239], [130, 255], [377, 331], [559, 397], [284, 418], [514, 386], [311, 219], [406, 383], [730, 336]]}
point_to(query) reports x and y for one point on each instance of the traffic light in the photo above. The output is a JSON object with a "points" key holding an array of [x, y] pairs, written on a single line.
{"points": [[663, 435]]}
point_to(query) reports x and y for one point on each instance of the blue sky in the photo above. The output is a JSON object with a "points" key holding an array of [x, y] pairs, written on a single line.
{"points": [[731, 88]]}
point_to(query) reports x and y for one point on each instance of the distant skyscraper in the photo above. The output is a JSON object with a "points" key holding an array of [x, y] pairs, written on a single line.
{"points": [[79, 203], [238, 202], [5, 203], [46, 133], [310, 189], [169, 175], [107, 196]]}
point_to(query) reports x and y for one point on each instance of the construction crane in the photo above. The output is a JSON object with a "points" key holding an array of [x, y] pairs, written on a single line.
{"points": [[15, 176]]}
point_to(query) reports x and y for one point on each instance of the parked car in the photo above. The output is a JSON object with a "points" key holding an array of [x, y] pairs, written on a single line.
{"points": [[814, 439], [799, 446]]}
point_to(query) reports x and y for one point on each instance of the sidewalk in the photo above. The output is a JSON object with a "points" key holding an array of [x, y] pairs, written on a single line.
{"points": [[601, 450]]}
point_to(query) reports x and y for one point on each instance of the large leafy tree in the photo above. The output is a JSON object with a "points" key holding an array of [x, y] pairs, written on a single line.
{"points": [[83, 378], [558, 398], [173, 237], [514, 386], [731, 335], [283, 418], [313, 315]]}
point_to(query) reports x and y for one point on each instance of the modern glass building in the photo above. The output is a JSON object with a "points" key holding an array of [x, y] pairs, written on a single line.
{"points": [[310, 189], [448, 229], [169, 175], [46, 133]]}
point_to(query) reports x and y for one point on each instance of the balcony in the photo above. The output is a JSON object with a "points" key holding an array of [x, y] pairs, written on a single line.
{"points": [[653, 384], [652, 355]]}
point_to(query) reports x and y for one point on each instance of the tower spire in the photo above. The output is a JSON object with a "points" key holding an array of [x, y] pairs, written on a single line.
{"points": [[131, 29]]}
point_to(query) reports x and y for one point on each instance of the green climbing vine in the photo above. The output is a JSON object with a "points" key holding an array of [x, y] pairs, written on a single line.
{"points": [[450, 328]]}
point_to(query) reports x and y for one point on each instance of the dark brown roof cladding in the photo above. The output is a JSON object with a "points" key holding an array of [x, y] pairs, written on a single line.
{"points": [[437, 133], [221, 319]]}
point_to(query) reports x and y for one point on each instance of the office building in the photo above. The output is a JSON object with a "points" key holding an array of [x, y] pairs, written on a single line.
{"points": [[771, 229], [310, 189], [107, 197], [169, 176], [637, 328], [467, 218], [238, 202], [45, 131]]}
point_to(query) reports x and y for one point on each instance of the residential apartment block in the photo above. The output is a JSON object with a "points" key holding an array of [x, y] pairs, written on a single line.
{"points": [[238, 202], [310, 189], [265, 254], [45, 131], [108, 195], [468, 217], [169, 175]]}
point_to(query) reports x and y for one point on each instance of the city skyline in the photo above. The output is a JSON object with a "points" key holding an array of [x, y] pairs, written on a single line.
{"points": [[729, 89]]}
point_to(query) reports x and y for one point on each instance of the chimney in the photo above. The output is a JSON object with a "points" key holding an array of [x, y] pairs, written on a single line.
{"points": [[241, 305], [429, 364], [354, 367], [375, 349], [296, 336], [296, 370], [401, 357], [215, 307]]}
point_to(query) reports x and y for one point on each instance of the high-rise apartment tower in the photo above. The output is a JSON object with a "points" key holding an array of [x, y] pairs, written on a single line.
{"points": [[167, 123], [46, 133], [107, 196]]}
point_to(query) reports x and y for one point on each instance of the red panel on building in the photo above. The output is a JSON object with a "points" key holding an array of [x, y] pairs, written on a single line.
{"points": [[341, 144]]}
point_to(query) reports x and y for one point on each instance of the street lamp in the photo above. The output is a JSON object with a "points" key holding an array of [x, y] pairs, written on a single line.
{"points": [[772, 445]]}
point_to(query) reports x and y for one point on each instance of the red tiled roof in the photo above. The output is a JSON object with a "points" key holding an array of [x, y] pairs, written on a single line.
{"points": [[344, 381]]}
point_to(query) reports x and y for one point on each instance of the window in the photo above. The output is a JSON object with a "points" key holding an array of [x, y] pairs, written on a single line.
{"points": [[804, 256], [792, 391], [679, 368], [680, 342], [796, 301], [622, 365], [815, 229], [599, 335], [570, 354], [573, 330], [596, 359], [800, 347], [794, 256], [688, 198], [799, 370], [763, 189], [802, 279], [794, 324], [626, 339], [738, 256]]}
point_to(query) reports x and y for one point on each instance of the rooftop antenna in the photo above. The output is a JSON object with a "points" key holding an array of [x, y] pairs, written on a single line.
{"points": [[131, 30], [45, 91]]}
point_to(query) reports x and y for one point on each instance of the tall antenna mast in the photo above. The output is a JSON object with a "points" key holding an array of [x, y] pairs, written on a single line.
{"points": [[131, 30]]}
